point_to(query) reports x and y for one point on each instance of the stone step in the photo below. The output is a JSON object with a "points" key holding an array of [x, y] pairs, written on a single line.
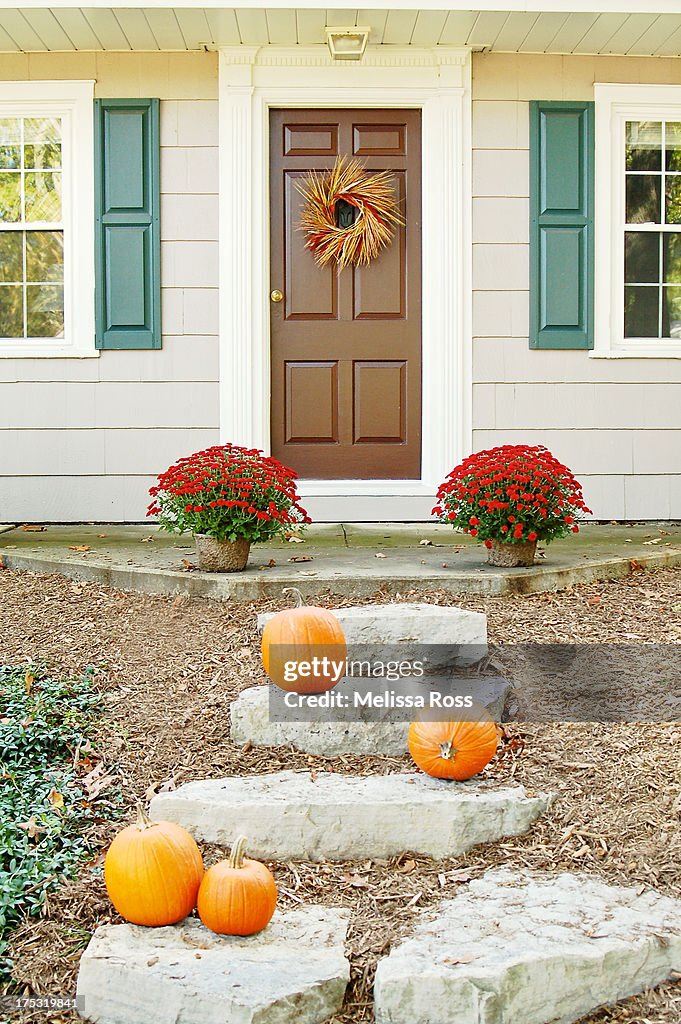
{"points": [[529, 948], [251, 723], [133, 975], [457, 637], [325, 816]]}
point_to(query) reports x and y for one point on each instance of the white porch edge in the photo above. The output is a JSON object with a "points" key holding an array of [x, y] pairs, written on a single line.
{"points": [[252, 80]]}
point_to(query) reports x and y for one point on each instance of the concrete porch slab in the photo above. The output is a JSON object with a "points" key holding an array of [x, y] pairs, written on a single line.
{"points": [[347, 560]]}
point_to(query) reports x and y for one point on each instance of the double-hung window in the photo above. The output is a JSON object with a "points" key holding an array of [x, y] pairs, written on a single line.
{"points": [[46, 219], [638, 220]]}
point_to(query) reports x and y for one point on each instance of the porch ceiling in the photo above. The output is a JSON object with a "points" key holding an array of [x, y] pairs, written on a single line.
{"points": [[617, 29]]}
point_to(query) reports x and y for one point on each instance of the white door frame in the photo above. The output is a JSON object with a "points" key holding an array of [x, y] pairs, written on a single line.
{"points": [[436, 81]]}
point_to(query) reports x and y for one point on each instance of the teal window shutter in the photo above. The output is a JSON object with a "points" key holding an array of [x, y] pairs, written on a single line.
{"points": [[127, 224], [561, 224]]}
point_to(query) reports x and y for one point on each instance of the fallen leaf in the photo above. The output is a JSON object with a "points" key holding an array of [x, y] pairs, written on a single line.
{"points": [[56, 799], [379, 554], [459, 960], [188, 566], [301, 558], [102, 534], [271, 564], [293, 538], [406, 867], [593, 600], [96, 781], [655, 540], [635, 565], [31, 827], [29, 680], [33, 528], [2, 563], [426, 543], [146, 540], [79, 547], [152, 960]]}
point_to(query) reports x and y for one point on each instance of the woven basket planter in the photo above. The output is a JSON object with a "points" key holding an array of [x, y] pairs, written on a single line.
{"points": [[221, 555], [511, 555]]}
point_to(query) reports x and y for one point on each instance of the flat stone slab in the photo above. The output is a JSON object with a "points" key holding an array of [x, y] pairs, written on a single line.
{"points": [[293, 972], [250, 723], [326, 816], [529, 948], [456, 637]]}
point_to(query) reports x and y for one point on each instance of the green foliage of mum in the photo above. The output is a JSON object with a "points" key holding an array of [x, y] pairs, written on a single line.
{"points": [[42, 722]]}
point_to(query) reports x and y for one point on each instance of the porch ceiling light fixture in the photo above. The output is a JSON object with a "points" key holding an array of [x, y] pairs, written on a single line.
{"points": [[347, 43]]}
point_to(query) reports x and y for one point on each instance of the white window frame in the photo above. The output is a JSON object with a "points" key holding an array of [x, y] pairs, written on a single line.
{"points": [[615, 105], [72, 102]]}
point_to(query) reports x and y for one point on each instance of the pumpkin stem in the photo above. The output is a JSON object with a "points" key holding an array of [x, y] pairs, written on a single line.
{"points": [[143, 819], [300, 603], [236, 856], [447, 751]]}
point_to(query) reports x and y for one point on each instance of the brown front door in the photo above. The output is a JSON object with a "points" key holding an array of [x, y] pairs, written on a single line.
{"points": [[346, 348]]}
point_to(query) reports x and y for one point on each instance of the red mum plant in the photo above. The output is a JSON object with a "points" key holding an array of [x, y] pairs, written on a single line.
{"points": [[228, 493], [513, 494]]}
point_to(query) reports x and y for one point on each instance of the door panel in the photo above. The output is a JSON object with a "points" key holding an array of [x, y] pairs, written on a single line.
{"points": [[346, 348]]}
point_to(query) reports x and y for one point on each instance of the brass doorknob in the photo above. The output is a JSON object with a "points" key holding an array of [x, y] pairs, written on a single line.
{"points": [[276, 295]]}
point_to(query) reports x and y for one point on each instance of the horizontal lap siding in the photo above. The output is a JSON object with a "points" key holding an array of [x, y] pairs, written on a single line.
{"points": [[83, 439], [616, 423]]}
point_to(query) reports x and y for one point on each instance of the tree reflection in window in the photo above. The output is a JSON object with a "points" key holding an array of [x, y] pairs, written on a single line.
{"points": [[31, 228]]}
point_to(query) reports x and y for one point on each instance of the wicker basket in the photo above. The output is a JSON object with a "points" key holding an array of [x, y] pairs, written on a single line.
{"points": [[221, 555], [510, 555]]}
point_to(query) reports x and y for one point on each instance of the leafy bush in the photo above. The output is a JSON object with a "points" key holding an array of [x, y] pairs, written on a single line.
{"points": [[42, 808]]}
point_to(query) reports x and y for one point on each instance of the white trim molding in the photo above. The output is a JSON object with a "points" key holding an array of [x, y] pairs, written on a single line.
{"points": [[615, 105], [435, 81], [72, 102]]}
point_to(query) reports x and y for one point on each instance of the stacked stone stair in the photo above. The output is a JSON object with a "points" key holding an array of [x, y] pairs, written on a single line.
{"points": [[511, 948]]}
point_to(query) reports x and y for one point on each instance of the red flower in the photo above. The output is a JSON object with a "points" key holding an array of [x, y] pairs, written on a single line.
{"points": [[488, 543], [532, 535]]}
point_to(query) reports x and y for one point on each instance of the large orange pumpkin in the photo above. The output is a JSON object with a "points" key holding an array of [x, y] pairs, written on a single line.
{"points": [[237, 896], [152, 871], [299, 635], [453, 750]]}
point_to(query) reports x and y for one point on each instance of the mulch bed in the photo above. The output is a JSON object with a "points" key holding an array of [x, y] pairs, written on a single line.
{"points": [[169, 668]]}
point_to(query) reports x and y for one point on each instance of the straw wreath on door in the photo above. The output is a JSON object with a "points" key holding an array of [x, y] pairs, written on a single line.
{"points": [[349, 214]]}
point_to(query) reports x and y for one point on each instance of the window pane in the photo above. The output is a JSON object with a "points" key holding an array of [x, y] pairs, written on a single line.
{"points": [[671, 249], [11, 256], [43, 196], [644, 145], [10, 196], [44, 256], [46, 155], [641, 312], [44, 311], [643, 198], [671, 312], [11, 311], [673, 199], [10, 142], [642, 257], [673, 145]]}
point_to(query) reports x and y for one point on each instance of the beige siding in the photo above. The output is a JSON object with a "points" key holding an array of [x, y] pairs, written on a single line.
{"points": [[83, 439], [616, 422]]}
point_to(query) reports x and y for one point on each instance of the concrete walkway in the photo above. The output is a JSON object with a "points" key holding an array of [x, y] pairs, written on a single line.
{"points": [[347, 560]]}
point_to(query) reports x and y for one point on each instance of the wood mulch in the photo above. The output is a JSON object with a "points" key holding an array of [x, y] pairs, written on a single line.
{"points": [[169, 668]]}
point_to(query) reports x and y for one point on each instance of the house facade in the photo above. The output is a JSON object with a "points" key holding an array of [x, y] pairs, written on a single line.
{"points": [[156, 295]]}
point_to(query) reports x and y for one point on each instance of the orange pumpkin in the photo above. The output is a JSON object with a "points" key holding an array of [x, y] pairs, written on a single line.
{"points": [[152, 871], [237, 896], [299, 635], [453, 750]]}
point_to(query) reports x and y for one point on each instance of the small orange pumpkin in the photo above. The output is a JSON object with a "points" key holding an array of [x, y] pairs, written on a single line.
{"points": [[237, 896], [302, 634], [453, 750], [152, 871]]}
